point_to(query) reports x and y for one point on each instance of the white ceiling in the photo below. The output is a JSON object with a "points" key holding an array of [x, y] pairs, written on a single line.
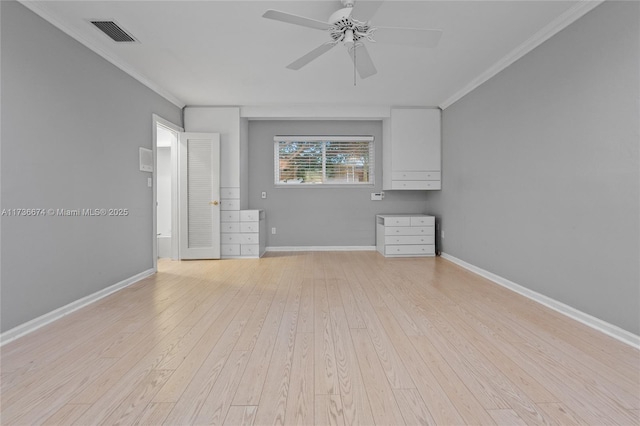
{"points": [[225, 53]]}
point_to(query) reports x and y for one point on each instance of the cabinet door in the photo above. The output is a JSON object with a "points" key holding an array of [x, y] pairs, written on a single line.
{"points": [[415, 139], [415, 184]]}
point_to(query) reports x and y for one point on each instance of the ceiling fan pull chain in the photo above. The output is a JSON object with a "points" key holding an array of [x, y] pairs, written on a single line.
{"points": [[354, 64]]}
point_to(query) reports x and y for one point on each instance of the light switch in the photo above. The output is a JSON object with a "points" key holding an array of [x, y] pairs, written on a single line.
{"points": [[264, 194]]}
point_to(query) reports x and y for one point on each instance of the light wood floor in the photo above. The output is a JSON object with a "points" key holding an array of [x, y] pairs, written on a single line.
{"points": [[318, 338]]}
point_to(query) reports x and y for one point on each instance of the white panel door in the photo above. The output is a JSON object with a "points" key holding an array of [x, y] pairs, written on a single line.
{"points": [[199, 195]]}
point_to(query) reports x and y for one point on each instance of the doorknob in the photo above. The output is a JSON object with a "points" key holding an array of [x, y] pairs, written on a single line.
{"points": [[215, 203]]}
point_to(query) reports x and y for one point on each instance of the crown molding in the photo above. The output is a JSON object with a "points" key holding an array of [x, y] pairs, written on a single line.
{"points": [[561, 22], [41, 10], [314, 112], [555, 26]]}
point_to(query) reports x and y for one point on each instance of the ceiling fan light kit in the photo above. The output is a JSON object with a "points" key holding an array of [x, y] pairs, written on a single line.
{"points": [[352, 33], [348, 30]]}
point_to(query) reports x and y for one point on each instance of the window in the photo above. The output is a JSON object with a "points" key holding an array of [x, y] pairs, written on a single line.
{"points": [[324, 160]]}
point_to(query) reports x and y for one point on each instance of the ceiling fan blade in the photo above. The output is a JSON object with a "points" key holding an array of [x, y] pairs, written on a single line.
{"points": [[315, 53], [365, 10], [363, 62], [295, 19], [418, 37]]}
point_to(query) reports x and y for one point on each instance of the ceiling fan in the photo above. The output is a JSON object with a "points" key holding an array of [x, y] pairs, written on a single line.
{"points": [[343, 28]]}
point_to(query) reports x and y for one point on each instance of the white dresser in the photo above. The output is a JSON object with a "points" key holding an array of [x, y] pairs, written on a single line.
{"points": [[242, 233], [405, 235]]}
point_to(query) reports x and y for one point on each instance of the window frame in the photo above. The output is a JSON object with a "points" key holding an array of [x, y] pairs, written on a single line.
{"points": [[370, 140]]}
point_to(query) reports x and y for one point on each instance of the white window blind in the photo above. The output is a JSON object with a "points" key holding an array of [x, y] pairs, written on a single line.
{"points": [[324, 160]]}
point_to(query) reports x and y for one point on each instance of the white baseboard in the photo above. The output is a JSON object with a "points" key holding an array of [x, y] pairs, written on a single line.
{"points": [[323, 248], [54, 315], [586, 319]]}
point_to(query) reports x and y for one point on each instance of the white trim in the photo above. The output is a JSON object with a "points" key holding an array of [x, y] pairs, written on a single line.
{"points": [[597, 324], [548, 31], [56, 314], [318, 112], [322, 248], [1, 204], [166, 123], [40, 9], [354, 138]]}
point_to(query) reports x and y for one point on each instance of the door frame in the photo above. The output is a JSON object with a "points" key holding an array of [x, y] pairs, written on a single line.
{"points": [[175, 212]]}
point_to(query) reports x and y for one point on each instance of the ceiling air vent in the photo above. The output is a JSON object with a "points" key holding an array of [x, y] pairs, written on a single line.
{"points": [[114, 31]]}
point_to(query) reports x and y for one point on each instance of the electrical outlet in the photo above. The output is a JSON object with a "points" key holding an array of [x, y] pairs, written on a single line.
{"points": [[273, 231]]}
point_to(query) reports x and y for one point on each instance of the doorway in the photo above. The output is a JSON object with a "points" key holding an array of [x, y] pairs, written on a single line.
{"points": [[165, 194], [186, 193], [166, 140]]}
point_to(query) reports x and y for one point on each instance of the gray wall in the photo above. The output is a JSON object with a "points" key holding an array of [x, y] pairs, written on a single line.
{"points": [[71, 127], [320, 216], [541, 170]]}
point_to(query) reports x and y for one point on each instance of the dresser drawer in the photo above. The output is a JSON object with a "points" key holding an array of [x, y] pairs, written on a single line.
{"points": [[229, 227], [233, 238], [415, 184], [249, 215], [397, 221], [253, 238], [408, 239], [229, 216], [423, 249], [230, 192], [249, 227], [415, 176], [229, 204], [230, 249], [423, 221], [409, 230], [250, 250]]}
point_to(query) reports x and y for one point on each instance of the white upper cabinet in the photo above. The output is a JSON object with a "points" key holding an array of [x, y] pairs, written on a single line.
{"points": [[411, 149]]}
